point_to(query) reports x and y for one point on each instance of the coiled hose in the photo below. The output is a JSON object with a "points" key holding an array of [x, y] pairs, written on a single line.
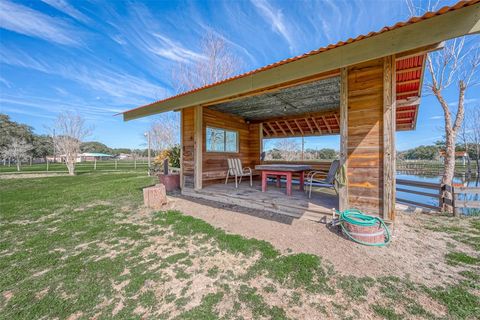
{"points": [[358, 218]]}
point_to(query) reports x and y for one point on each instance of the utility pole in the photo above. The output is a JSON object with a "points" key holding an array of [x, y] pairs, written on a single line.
{"points": [[147, 134]]}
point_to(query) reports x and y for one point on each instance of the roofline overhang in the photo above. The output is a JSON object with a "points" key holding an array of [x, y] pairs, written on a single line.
{"points": [[427, 32]]}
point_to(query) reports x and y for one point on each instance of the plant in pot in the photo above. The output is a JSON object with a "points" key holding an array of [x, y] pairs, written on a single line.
{"points": [[163, 163]]}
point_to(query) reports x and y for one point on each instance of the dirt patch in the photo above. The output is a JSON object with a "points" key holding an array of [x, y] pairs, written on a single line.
{"points": [[414, 252]]}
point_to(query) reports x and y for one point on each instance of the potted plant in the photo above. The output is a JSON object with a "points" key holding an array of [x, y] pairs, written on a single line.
{"points": [[165, 163]]}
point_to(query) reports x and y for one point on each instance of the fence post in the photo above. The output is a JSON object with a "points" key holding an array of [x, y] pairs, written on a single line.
{"points": [[135, 163], [47, 165], [95, 164], [115, 164]]}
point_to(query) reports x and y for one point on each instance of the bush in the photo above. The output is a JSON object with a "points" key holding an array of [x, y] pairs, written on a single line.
{"points": [[172, 154]]}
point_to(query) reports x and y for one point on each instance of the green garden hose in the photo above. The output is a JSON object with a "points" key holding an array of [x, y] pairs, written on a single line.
{"points": [[356, 217]]}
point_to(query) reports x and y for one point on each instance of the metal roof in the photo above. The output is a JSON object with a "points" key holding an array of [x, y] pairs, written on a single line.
{"points": [[134, 113]]}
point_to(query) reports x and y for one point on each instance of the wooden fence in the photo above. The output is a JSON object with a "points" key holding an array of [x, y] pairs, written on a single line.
{"points": [[459, 201]]}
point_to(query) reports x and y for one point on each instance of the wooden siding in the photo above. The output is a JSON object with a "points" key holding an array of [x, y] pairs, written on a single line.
{"points": [[215, 163], [365, 136], [188, 146]]}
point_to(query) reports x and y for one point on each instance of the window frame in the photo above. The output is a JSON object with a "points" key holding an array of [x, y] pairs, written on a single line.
{"points": [[237, 142]]}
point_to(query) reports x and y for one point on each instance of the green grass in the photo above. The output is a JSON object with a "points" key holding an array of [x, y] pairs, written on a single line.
{"points": [[455, 258], [81, 245], [81, 167]]}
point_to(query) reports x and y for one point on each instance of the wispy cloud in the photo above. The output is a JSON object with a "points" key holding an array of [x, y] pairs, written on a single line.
{"points": [[466, 102], [68, 9], [5, 82], [435, 117], [21, 19], [276, 18], [91, 73]]}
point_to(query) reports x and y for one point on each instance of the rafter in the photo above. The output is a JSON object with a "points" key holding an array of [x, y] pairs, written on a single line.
{"points": [[326, 123], [309, 126], [316, 125], [274, 132], [281, 128], [289, 127], [298, 126]]}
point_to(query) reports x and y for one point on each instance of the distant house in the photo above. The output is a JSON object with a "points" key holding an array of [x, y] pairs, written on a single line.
{"points": [[123, 156], [86, 156]]}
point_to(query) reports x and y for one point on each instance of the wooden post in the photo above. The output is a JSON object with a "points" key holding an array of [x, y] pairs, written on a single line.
{"points": [[94, 163], [47, 165], [389, 129], [198, 147], [260, 135], [135, 162], [343, 190], [181, 148], [115, 164]]}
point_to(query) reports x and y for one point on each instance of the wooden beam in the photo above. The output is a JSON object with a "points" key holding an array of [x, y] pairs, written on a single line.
{"points": [[343, 190], [326, 123], [412, 101], [274, 132], [308, 124], [408, 93], [198, 148], [289, 127], [448, 25], [389, 123], [408, 81], [298, 126], [316, 125], [291, 117], [281, 128], [260, 137], [409, 70], [182, 119]]}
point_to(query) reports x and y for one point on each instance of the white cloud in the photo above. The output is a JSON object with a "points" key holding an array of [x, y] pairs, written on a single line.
{"points": [[65, 7], [435, 117], [5, 82], [466, 101], [276, 19], [91, 73], [21, 19]]}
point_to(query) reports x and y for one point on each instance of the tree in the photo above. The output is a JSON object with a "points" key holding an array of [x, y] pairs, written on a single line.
{"points": [[454, 64], [70, 131], [18, 149], [94, 146], [10, 130], [421, 153], [42, 146], [217, 63], [289, 148], [165, 131]]}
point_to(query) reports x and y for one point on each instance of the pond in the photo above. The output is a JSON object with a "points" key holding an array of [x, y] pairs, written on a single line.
{"points": [[464, 180]]}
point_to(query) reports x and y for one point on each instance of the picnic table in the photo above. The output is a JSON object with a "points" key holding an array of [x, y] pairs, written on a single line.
{"points": [[280, 170]]}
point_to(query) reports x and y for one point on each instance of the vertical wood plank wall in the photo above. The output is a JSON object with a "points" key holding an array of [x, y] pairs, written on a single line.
{"points": [[215, 163], [187, 146], [365, 136], [343, 190]]}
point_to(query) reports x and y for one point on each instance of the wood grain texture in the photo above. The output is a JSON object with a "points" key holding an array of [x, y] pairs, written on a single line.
{"points": [[187, 147], [365, 140], [343, 202], [389, 121], [215, 163]]}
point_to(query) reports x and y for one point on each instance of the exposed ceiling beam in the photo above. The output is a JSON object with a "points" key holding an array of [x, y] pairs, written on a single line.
{"points": [[308, 124], [298, 126], [289, 127], [281, 128]]}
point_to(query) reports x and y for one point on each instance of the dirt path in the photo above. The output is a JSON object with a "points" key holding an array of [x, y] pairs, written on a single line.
{"points": [[415, 252]]}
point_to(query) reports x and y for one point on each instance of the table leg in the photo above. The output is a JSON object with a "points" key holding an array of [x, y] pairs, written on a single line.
{"points": [[289, 183], [302, 179], [278, 181], [264, 181]]}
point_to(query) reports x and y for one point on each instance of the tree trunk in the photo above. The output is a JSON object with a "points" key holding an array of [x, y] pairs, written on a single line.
{"points": [[449, 167], [70, 167], [18, 164]]}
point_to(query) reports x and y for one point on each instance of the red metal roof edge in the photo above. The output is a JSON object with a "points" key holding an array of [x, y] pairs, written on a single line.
{"points": [[427, 15]]}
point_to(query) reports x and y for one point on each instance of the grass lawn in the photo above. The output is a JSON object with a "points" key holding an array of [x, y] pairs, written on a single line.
{"points": [[83, 247]]}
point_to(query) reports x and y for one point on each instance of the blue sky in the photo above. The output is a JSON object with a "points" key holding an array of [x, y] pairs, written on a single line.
{"points": [[102, 57]]}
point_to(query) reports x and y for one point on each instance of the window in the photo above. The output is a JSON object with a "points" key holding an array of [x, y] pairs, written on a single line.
{"points": [[221, 140]]}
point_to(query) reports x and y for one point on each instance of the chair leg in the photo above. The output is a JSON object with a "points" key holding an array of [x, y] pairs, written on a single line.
{"points": [[251, 183], [236, 183], [240, 182], [310, 189], [226, 179]]}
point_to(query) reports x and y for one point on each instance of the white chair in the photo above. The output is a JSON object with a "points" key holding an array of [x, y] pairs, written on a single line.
{"points": [[236, 170], [328, 182]]}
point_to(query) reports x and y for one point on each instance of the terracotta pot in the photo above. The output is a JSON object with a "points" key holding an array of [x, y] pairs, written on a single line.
{"points": [[371, 234], [171, 181]]}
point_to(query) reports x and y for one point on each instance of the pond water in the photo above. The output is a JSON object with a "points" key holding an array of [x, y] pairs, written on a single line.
{"points": [[472, 181]]}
